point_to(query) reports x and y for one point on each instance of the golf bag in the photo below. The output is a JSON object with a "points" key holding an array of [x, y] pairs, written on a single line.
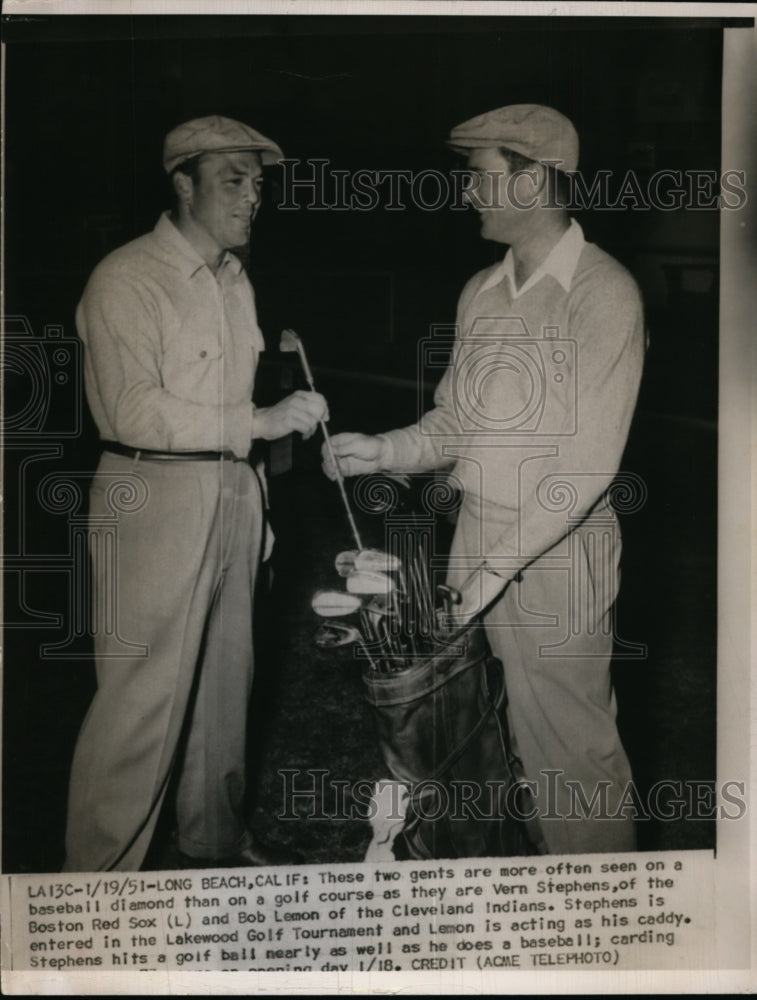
{"points": [[442, 729]]}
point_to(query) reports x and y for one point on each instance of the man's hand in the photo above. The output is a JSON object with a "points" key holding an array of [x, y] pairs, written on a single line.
{"points": [[357, 454], [299, 412]]}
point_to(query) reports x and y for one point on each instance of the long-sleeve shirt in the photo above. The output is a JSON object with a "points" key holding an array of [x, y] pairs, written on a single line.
{"points": [[170, 349], [533, 412]]}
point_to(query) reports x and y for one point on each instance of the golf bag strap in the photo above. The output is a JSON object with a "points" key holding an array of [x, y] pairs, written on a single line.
{"points": [[494, 706]]}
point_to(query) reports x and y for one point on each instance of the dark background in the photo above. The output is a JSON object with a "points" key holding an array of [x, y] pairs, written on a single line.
{"points": [[88, 102]]}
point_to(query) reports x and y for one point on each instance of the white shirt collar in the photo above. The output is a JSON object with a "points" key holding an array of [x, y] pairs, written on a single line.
{"points": [[560, 262]]}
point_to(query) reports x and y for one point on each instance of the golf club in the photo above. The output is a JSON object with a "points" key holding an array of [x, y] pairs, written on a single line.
{"points": [[332, 635], [335, 603], [374, 560], [424, 626], [386, 623], [377, 561], [345, 562]]}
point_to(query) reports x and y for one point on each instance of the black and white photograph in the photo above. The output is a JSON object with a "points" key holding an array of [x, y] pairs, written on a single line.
{"points": [[376, 477]]}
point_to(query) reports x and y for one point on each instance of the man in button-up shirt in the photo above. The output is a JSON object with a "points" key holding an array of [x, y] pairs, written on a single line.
{"points": [[532, 416], [171, 344]]}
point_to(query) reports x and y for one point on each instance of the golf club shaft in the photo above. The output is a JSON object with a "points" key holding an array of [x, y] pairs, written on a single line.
{"points": [[340, 483], [427, 593], [424, 631], [406, 611], [367, 653], [332, 456]]}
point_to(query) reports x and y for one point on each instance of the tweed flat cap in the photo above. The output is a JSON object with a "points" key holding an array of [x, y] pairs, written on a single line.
{"points": [[215, 134], [533, 130]]}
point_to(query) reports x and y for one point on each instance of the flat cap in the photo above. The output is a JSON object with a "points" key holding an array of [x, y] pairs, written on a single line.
{"points": [[533, 130], [215, 134]]}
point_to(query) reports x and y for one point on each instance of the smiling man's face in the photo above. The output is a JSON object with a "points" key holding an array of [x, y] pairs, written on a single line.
{"points": [[225, 197]]}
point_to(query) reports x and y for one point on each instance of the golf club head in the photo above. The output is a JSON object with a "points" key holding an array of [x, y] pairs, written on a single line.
{"points": [[289, 341], [374, 560], [379, 604], [345, 562], [369, 583], [332, 635], [335, 603]]}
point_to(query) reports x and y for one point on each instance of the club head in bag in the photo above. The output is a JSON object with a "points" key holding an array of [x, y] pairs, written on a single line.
{"points": [[345, 562], [335, 603], [380, 604], [376, 561], [332, 635]]}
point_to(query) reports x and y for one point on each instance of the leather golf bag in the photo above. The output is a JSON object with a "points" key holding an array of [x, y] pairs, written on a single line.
{"points": [[442, 729]]}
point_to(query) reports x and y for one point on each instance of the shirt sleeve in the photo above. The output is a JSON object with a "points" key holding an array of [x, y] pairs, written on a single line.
{"points": [[120, 327]]}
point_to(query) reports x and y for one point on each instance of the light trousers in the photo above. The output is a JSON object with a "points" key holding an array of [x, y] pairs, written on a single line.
{"points": [[553, 631], [174, 660]]}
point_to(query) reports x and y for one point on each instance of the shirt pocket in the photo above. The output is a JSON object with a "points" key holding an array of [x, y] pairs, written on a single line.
{"points": [[196, 349], [190, 361]]}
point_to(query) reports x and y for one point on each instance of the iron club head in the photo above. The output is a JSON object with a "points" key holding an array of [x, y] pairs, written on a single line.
{"points": [[374, 560], [345, 562], [336, 603], [289, 341], [380, 604], [331, 635]]}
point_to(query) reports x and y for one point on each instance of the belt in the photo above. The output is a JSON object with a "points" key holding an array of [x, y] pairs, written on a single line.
{"points": [[147, 454]]}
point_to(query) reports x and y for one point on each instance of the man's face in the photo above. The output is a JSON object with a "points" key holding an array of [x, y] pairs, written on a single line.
{"points": [[225, 198], [500, 198]]}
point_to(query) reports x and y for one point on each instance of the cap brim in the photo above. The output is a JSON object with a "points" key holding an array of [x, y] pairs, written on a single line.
{"points": [[269, 155], [464, 146], [457, 147]]}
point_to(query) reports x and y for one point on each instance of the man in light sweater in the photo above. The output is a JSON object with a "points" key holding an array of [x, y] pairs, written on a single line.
{"points": [[532, 415]]}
